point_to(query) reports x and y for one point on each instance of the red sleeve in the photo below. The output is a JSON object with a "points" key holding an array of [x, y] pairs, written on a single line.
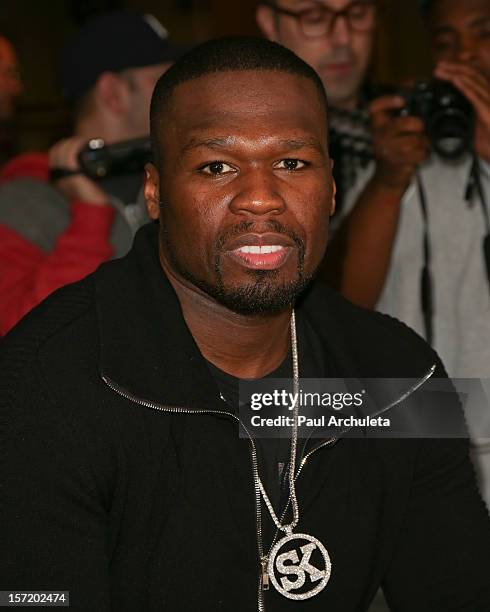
{"points": [[28, 275]]}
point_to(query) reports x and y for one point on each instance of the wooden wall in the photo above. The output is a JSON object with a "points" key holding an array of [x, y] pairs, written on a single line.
{"points": [[40, 27]]}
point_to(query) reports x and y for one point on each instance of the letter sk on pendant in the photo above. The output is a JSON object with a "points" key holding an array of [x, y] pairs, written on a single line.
{"points": [[295, 563]]}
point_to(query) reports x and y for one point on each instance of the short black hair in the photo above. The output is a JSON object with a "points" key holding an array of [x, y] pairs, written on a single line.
{"points": [[227, 54]]}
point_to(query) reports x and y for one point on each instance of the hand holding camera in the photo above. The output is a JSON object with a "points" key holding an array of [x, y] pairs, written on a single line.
{"points": [[440, 112], [476, 87], [400, 143], [74, 185]]}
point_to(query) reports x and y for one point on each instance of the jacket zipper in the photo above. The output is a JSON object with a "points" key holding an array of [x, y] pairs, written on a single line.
{"points": [[263, 559], [263, 585]]}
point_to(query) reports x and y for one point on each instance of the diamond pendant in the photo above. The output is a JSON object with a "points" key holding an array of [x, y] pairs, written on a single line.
{"points": [[292, 570]]}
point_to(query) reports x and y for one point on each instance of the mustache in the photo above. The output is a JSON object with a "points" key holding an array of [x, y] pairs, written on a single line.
{"points": [[337, 56], [245, 227]]}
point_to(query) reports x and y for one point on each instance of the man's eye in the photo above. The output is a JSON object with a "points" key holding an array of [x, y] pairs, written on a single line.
{"points": [[216, 168], [358, 10], [291, 164], [443, 44]]}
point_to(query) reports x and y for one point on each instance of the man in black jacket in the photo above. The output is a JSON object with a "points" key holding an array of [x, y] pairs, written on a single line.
{"points": [[123, 477]]}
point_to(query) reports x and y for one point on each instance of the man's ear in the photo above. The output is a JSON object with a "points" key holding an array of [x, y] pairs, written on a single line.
{"points": [[267, 22], [152, 191], [334, 190], [112, 91]]}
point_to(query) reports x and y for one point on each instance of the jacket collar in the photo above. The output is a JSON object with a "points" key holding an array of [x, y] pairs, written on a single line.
{"points": [[147, 349], [145, 345]]}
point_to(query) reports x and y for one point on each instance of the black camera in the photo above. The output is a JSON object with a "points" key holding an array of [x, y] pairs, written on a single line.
{"points": [[447, 115], [99, 160]]}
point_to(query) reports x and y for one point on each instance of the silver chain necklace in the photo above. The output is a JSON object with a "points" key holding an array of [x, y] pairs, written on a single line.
{"points": [[290, 557]]}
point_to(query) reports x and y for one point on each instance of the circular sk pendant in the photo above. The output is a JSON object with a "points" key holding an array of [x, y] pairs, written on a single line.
{"points": [[293, 572]]}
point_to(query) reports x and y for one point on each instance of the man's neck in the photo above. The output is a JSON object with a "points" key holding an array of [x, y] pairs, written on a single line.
{"points": [[348, 104], [243, 346]]}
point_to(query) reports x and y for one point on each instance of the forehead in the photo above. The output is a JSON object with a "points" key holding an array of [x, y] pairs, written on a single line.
{"points": [[458, 14], [249, 102]]}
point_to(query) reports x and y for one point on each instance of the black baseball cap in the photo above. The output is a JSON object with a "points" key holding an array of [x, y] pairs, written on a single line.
{"points": [[111, 42]]}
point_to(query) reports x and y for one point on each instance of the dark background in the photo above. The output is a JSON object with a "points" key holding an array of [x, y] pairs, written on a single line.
{"points": [[38, 29]]}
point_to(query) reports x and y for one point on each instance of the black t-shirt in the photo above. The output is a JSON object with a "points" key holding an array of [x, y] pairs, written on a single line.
{"points": [[273, 453]]}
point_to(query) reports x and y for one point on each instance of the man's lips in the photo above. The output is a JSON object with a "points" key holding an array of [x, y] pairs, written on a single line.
{"points": [[261, 251], [339, 67], [266, 239]]}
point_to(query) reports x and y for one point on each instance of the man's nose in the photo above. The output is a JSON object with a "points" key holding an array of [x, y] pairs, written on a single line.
{"points": [[467, 49], [259, 194], [340, 32]]}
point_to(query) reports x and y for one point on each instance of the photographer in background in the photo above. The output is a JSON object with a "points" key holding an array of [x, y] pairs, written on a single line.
{"points": [[57, 225], [383, 235], [413, 245]]}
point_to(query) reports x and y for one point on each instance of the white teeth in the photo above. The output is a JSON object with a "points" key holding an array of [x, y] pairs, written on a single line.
{"points": [[260, 250]]}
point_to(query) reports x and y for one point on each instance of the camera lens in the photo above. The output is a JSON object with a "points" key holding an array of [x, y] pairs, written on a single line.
{"points": [[452, 133], [451, 121]]}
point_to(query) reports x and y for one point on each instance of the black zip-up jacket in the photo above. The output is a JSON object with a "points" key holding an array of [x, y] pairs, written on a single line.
{"points": [[136, 509]]}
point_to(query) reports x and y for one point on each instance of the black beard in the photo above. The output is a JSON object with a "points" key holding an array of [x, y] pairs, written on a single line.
{"points": [[260, 296], [256, 298]]}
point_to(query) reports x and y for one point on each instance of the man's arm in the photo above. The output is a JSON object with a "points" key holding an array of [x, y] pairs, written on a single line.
{"points": [[28, 274], [358, 258], [442, 556], [53, 524]]}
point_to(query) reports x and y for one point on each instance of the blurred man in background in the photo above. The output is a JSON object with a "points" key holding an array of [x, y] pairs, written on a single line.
{"points": [[10, 88], [56, 231], [384, 234], [336, 38]]}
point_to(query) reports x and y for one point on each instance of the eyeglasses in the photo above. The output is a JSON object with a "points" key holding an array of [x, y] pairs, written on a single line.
{"points": [[320, 20]]}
